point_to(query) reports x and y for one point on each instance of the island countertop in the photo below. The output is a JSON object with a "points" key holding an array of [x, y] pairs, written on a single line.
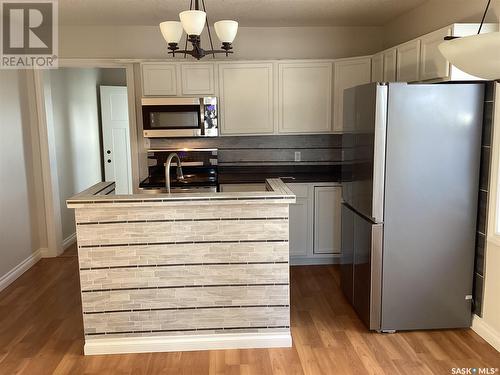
{"points": [[103, 194], [183, 271]]}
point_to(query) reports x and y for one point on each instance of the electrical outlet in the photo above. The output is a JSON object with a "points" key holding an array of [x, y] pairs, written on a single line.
{"points": [[297, 156]]}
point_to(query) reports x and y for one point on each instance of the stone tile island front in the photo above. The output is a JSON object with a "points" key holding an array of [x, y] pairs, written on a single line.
{"points": [[175, 272]]}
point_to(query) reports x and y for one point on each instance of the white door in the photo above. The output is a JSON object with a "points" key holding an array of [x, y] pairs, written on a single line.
{"points": [[116, 138]]}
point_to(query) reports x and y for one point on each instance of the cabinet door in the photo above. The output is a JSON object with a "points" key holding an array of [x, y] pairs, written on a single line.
{"points": [[299, 227], [327, 219], [198, 79], [348, 73], [159, 79], [300, 221], [305, 97], [408, 61], [433, 65], [246, 98], [390, 58], [378, 68]]}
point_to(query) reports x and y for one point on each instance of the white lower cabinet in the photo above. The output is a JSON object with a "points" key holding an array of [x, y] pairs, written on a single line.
{"points": [[315, 226], [327, 222]]}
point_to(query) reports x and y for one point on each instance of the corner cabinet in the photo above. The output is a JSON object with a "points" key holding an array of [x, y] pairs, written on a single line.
{"points": [[305, 97], [348, 73], [390, 59], [315, 223], [159, 79], [432, 63], [246, 98]]}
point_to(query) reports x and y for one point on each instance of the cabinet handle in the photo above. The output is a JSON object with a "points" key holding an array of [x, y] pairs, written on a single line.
{"points": [[109, 160]]}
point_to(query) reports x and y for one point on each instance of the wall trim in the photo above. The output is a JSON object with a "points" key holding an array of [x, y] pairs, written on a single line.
{"points": [[186, 343], [316, 260], [21, 268], [68, 241], [487, 332]]}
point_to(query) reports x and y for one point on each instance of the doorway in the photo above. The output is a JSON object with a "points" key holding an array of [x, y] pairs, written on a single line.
{"points": [[88, 134]]}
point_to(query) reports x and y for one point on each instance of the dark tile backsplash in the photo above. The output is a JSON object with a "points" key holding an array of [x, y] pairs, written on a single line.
{"points": [[482, 214], [265, 150]]}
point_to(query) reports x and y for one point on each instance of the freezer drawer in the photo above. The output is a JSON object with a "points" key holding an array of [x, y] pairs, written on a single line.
{"points": [[361, 265]]}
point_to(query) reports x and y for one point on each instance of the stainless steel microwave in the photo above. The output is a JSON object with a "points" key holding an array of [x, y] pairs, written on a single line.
{"points": [[179, 117]]}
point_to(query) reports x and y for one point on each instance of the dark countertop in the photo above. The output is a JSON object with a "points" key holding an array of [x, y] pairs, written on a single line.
{"points": [[296, 173]]}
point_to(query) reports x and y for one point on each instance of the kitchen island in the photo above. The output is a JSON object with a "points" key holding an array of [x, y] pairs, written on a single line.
{"points": [[174, 272]]}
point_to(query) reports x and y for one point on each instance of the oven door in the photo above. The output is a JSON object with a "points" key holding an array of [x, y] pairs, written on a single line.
{"points": [[173, 117]]}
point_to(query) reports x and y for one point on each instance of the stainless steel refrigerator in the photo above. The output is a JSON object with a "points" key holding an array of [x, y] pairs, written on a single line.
{"points": [[410, 203]]}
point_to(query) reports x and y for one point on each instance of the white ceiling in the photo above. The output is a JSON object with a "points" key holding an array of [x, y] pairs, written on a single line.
{"points": [[247, 12]]}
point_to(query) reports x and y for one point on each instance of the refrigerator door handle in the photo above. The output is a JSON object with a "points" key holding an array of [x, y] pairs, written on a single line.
{"points": [[379, 154]]}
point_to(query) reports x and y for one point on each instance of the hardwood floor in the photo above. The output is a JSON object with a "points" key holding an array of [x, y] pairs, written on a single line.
{"points": [[41, 333]]}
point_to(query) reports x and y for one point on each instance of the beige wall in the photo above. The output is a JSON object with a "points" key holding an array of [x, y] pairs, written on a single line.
{"points": [[21, 212], [435, 14], [74, 120], [251, 43]]}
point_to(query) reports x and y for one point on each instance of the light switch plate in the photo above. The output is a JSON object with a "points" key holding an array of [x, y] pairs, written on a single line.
{"points": [[297, 156]]}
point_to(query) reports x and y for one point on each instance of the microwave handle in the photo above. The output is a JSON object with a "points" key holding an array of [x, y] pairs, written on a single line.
{"points": [[202, 116]]}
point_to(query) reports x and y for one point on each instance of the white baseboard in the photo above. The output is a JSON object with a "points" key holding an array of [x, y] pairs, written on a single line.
{"points": [[18, 270], [187, 343], [45, 253], [68, 241], [314, 260], [487, 332]]}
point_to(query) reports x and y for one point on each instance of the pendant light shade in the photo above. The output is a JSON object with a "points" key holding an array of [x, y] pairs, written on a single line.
{"points": [[478, 55], [226, 30], [193, 21], [171, 31]]}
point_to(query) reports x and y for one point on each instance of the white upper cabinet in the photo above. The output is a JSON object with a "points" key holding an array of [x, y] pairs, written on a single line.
{"points": [[246, 98], [198, 79], [390, 58], [408, 61], [348, 73], [433, 65], [378, 67], [159, 79], [305, 97]]}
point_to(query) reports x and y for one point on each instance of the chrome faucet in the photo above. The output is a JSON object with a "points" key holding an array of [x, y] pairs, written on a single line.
{"points": [[180, 176]]}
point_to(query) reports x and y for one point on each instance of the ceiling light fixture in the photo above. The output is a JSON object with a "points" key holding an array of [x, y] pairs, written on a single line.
{"points": [[478, 55], [193, 22]]}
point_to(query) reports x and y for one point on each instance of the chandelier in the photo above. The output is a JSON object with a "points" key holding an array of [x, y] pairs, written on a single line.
{"points": [[478, 54], [193, 22]]}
